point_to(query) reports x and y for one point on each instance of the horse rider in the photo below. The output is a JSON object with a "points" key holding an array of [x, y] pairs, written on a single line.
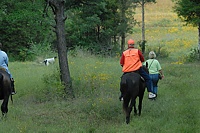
{"points": [[131, 61], [4, 64]]}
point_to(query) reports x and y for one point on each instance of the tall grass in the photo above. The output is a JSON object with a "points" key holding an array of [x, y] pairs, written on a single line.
{"points": [[96, 107], [40, 107]]}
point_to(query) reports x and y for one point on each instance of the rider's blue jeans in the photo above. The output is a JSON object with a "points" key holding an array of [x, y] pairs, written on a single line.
{"points": [[154, 79], [147, 79]]}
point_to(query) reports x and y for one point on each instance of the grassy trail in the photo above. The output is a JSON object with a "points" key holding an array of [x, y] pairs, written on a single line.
{"points": [[40, 108], [96, 107]]}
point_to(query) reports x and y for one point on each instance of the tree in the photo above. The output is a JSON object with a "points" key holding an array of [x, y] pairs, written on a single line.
{"points": [[126, 10], [21, 25], [58, 8], [142, 4], [189, 12], [97, 26]]}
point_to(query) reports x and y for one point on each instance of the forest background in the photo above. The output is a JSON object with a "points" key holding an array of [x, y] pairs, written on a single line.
{"points": [[41, 106], [27, 31]]}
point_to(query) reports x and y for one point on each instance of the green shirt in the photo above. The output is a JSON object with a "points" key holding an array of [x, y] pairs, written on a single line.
{"points": [[154, 66]]}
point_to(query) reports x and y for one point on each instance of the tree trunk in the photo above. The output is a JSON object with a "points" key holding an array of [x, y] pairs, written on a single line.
{"points": [[143, 23], [123, 24], [199, 40], [58, 9], [143, 28], [123, 42]]}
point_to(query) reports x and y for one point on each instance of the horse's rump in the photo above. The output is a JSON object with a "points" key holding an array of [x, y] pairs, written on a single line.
{"points": [[131, 79]]}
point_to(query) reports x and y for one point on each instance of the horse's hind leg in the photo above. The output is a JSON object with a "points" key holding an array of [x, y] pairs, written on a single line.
{"points": [[4, 115], [4, 109], [128, 119], [4, 106], [128, 115], [132, 104], [129, 110], [126, 109], [140, 104]]}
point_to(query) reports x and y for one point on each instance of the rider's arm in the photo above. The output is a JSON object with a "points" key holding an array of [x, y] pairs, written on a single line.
{"points": [[141, 56], [122, 60]]}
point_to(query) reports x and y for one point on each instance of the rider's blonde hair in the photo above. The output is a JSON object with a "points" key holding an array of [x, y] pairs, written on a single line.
{"points": [[152, 55]]}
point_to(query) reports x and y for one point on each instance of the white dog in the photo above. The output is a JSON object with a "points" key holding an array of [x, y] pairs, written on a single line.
{"points": [[49, 61]]}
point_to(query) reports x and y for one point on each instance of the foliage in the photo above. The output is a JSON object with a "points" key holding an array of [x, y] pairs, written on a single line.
{"points": [[96, 81], [160, 50], [96, 27], [188, 10], [54, 88], [21, 23], [193, 55], [42, 50], [142, 45], [145, 1], [36, 51]]}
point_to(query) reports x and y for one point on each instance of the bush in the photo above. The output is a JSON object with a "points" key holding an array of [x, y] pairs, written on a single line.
{"points": [[54, 88], [193, 55], [21, 23], [160, 51]]}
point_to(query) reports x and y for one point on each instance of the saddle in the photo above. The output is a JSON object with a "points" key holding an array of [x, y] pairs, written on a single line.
{"points": [[1, 68]]}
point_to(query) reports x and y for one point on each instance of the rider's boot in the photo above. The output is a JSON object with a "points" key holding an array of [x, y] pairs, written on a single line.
{"points": [[12, 86]]}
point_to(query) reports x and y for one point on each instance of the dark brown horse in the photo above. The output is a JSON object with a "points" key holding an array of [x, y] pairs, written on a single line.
{"points": [[131, 87], [5, 90]]}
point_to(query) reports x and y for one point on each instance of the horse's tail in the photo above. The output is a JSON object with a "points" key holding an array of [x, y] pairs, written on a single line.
{"points": [[1, 77], [1, 82]]}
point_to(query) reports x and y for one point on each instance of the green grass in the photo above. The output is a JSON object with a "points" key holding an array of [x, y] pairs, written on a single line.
{"points": [[96, 108], [40, 108]]}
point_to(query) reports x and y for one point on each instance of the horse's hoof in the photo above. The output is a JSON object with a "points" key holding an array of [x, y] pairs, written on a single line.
{"points": [[127, 120], [3, 115]]}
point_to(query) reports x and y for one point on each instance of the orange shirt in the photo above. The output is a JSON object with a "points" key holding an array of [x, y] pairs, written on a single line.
{"points": [[131, 60]]}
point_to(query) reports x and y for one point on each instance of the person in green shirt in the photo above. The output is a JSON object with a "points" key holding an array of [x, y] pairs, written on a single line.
{"points": [[154, 71]]}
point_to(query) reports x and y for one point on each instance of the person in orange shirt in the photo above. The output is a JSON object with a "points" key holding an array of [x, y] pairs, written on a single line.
{"points": [[131, 60]]}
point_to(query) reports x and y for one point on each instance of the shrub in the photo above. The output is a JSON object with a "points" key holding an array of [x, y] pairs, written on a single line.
{"points": [[193, 55], [160, 51], [54, 88]]}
